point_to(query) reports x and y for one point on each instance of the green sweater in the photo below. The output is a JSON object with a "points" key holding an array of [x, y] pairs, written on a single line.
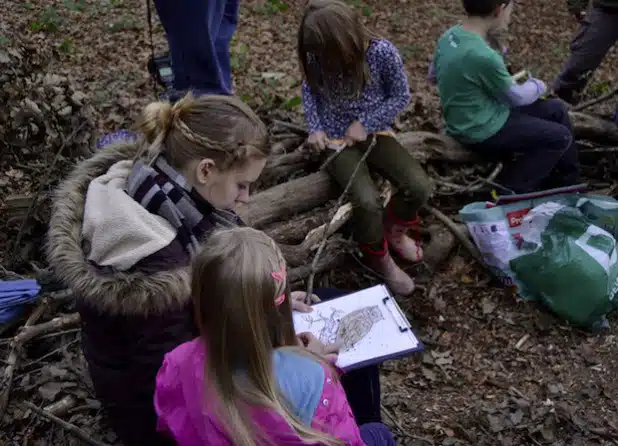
{"points": [[576, 6]]}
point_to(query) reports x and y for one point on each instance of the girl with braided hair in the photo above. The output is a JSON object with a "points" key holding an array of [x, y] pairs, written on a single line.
{"points": [[273, 388], [125, 225]]}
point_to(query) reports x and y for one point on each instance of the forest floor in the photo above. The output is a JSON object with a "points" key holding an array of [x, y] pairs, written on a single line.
{"points": [[496, 370]]}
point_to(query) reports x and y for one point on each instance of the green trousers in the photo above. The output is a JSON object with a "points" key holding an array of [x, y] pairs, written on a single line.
{"points": [[394, 163]]}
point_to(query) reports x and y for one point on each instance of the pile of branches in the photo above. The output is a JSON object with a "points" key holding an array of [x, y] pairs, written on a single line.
{"points": [[45, 125]]}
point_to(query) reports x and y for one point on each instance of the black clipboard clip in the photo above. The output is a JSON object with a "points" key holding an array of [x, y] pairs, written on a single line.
{"points": [[401, 329]]}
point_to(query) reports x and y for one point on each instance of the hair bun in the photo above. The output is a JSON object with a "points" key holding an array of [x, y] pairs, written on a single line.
{"points": [[156, 120]]}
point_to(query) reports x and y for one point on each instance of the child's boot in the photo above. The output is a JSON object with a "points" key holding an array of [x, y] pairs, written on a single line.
{"points": [[406, 247], [382, 263]]}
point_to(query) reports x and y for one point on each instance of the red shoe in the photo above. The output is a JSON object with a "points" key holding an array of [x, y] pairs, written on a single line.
{"points": [[383, 264], [396, 233]]}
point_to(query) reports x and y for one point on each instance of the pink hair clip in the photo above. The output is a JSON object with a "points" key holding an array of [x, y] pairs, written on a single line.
{"points": [[279, 276]]}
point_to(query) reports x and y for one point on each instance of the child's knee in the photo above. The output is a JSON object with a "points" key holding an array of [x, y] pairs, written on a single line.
{"points": [[369, 202], [562, 138], [419, 191], [559, 110]]}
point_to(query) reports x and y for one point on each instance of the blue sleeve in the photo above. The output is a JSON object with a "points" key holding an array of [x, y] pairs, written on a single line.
{"points": [[524, 94], [311, 109], [393, 76], [431, 73]]}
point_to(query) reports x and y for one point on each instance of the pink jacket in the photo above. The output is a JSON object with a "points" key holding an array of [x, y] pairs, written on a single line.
{"points": [[186, 414]]}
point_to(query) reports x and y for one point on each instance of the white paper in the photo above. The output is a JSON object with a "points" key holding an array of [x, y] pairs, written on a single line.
{"points": [[371, 328]]}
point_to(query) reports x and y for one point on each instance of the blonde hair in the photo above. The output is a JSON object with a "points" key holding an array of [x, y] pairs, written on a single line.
{"points": [[219, 127], [234, 294]]}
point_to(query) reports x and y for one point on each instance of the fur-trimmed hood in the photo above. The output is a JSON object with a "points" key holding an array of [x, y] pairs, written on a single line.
{"points": [[119, 291]]}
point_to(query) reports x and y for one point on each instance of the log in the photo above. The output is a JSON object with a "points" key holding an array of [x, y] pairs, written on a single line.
{"points": [[592, 128], [283, 166], [428, 146], [441, 243], [287, 199], [294, 231]]}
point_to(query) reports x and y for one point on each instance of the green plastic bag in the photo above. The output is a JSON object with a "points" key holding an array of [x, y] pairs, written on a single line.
{"points": [[550, 250]]}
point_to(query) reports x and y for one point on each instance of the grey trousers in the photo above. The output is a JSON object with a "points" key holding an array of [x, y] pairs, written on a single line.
{"points": [[597, 34]]}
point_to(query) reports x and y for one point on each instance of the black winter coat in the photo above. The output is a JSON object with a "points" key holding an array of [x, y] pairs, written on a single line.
{"points": [[130, 317]]}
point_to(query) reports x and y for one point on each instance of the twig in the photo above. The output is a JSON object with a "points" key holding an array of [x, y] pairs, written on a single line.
{"points": [[595, 101], [79, 433], [42, 185], [13, 358], [474, 186], [463, 238], [314, 263], [400, 428], [298, 129], [57, 323]]}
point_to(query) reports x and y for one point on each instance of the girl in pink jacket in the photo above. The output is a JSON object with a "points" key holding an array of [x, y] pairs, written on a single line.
{"points": [[249, 380]]}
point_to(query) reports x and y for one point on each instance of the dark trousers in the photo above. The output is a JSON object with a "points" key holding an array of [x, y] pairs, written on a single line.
{"points": [[376, 434], [542, 136], [393, 162], [199, 33], [597, 34]]}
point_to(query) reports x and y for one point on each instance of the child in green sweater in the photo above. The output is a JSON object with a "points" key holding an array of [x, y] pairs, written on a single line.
{"points": [[489, 113]]}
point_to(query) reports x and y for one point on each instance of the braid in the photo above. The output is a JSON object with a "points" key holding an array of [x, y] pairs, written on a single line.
{"points": [[214, 126]]}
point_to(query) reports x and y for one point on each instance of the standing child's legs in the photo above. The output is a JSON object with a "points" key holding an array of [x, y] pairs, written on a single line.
{"points": [[367, 221], [541, 134], [391, 160], [597, 34], [199, 34]]}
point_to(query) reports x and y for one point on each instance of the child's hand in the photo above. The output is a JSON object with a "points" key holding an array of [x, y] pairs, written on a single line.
{"points": [[301, 304], [318, 140], [314, 345], [356, 133]]}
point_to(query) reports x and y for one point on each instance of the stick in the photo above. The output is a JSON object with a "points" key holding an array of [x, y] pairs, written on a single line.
{"points": [[42, 186], [595, 101], [337, 206], [79, 433], [463, 238], [400, 428], [298, 129], [13, 359], [57, 323], [474, 186]]}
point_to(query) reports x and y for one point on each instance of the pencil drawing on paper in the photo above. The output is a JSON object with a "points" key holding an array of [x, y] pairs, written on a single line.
{"points": [[350, 328]]}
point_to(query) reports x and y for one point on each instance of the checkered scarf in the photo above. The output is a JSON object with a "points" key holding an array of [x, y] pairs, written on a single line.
{"points": [[163, 191]]}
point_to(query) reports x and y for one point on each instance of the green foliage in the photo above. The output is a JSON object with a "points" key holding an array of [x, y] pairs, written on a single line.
{"points": [[599, 88], [75, 5], [271, 7], [49, 21], [364, 9], [239, 57], [66, 46], [410, 51], [4, 41], [125, 23]]}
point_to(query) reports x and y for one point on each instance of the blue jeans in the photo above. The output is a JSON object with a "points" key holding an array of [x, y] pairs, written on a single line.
{"points": [[376, 434], [362, 386], [541, 133], [199, 33]]}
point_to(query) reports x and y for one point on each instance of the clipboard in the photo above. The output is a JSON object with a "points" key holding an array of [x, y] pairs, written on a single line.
{"points": [[370, 322]]}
